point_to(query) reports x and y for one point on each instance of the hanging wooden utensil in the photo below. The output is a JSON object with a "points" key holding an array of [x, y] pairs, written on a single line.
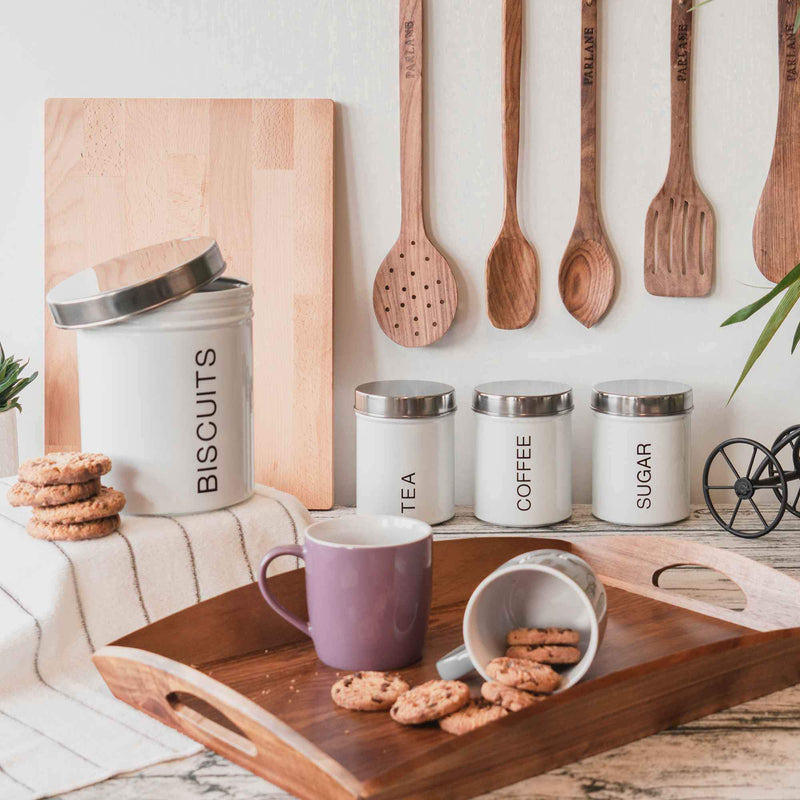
{"points": [[415, 294], [587, 276], [776, 232], [679, 228], [512, 271]]}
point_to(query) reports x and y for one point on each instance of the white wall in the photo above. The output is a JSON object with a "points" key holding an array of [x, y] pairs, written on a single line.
{"points": [[347, 50]]}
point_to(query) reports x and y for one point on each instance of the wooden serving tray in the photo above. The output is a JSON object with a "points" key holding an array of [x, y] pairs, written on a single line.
{"points": [[237, 678]]}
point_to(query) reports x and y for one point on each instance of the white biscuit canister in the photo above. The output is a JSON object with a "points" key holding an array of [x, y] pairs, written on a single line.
{"points": [[641, 448], [523, 452], [165, 372], [405, 449]]}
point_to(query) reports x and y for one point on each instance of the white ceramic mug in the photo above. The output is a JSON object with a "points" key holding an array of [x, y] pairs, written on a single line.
{"points": [[540, 589]]}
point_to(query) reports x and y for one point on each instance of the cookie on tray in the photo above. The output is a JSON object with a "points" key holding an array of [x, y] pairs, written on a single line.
{"points": [[368, 691], [474, 715], [72, 531], [543, 636], [430, 701], [56, 468], [545, 653], [27, 494], [105, 503], [523, 674], [508, 697]]}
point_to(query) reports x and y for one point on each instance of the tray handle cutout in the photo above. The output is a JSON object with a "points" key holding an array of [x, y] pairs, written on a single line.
{"points": [[200, 714], [678, 579], [634, 563]]}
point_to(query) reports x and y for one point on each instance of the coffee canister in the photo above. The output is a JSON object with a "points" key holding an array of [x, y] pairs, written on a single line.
{"points": [[641, 451], [405, 449], [165, 374], [523, 452]]}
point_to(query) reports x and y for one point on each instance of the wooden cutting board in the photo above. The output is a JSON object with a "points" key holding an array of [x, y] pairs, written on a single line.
{"points": [[257, 175]]}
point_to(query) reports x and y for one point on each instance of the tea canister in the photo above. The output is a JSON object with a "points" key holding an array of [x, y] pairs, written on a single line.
{"points": [[405, 449], [641, 451], [165, 375], [523, 452]]}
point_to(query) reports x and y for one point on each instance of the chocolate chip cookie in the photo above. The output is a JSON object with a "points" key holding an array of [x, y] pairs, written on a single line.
{"points": [[508, 697], [545, 653], [105, 503], [27, 494], [473, 716], [543, 636], [430, 701], [523, 674], [368, 691]]}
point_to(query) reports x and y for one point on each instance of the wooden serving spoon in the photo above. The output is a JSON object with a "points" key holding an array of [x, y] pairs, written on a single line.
{"points": [[679, 227], [512, 272], [776, 232], [587, 276], [415, 294]]}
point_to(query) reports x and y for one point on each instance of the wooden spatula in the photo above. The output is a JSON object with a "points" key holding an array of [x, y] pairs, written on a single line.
{"points": [[776, 232], [512, 272], [415, 294], [679, 228], [587, 276]]}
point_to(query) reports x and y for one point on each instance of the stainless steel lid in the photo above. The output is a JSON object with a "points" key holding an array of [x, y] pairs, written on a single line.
{"points": [[642, 398], [135, 282], [405, 399], [522, 398]]}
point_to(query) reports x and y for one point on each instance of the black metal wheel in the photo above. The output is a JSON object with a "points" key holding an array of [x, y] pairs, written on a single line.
{"points": [[759, 470], [785, 445]]}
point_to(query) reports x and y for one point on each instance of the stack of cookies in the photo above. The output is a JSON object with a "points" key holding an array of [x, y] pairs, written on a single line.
{"points": [[68, 500]]}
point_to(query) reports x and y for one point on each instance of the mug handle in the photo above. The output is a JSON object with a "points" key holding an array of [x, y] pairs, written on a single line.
{"points": [[455, 664], [284, 550]]}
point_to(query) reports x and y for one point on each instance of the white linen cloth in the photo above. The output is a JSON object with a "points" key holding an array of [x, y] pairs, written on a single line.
{"points": [[60, 727]]}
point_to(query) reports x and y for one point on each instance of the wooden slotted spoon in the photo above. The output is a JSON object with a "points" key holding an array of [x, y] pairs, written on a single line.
{"points": [[587, 276], [776, 232], [512, 272], [679, 227], [415, 294]]}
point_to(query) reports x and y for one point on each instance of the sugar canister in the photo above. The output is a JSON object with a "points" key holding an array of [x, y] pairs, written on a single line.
{"points": [[523, 460], [641, 451], [405, 449], [165, 374]]}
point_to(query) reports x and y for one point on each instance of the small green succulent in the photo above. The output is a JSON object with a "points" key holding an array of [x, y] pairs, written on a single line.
{"points": [[11, 384]]}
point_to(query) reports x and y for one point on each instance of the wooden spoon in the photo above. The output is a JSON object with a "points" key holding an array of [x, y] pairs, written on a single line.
{"points": [[512, 272], [679, 227], [587, 276], [776, 232], [415, 294]]}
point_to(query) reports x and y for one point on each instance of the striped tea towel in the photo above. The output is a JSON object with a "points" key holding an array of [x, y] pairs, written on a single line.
{"points": [[60, 727]]}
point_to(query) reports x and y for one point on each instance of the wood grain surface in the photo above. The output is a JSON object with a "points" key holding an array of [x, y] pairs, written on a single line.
{"points": [[512, 271], [679, 227], [776, 231], [660, 665], [415, 294], [257, 175], [587, 276], [743, 753]]}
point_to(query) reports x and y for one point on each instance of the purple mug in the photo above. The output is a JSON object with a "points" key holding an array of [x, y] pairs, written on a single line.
{"points": [[368, 587]]}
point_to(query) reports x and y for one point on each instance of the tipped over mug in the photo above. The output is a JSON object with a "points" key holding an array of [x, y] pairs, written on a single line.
{"points": [[540, 589], [368, 590]]}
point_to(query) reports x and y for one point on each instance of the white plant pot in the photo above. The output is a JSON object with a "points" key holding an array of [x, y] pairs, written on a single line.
{"points": [[9, 450]]}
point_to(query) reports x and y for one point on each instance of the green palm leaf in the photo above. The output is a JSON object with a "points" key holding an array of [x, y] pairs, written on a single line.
{"points": [[778, 316], [748, 311]]}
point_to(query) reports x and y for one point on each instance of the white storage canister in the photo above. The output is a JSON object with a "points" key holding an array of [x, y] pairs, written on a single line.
{"points": [[523, 452], [641, 451], [165, 375], [405, 449]]}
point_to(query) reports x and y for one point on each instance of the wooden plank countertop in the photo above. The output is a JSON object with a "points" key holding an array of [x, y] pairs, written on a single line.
{"points": [[745, 753]]}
